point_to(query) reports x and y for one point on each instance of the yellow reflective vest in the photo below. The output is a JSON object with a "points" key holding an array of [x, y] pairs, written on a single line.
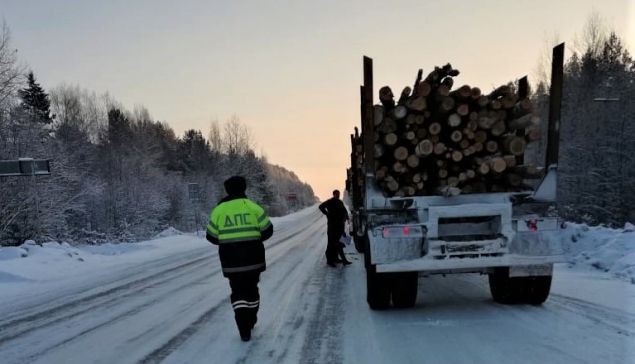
{"points": [[237, 225]]}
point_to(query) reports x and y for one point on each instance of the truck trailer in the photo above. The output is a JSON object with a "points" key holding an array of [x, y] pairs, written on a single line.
{"points": [[508, 235]]}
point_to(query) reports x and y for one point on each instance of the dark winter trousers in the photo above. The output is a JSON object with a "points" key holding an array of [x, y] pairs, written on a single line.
{"points": [[245, 298], [334, 247]]}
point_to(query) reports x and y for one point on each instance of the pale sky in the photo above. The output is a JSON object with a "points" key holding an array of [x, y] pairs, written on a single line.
{"points": [[289, 69]]}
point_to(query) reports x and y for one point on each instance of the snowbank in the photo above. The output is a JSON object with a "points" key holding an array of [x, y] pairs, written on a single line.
{"points": [[598, 248]]}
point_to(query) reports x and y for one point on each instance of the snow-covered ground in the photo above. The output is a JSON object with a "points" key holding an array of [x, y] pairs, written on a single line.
{"points": [[165, 300]]}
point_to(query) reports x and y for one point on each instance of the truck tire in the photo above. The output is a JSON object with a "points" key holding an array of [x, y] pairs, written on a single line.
{"points": [[377, 290], [511, 290], [359, 243], [504, 289], [538, 289], [404, 289]]}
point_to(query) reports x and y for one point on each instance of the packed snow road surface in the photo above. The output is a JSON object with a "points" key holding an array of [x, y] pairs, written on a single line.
{"points": [[173, 307]]}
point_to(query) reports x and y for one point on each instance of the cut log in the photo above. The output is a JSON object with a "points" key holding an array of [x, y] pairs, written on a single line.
{"points": [[486, 122], [453, 181], [524, 122], [480, 136], [454, 120], [434, 138], [463, 109], [421, 133], [434, 128], [478, 147], [398, 167], [533, 135], [378, 114], [418, 103], [491, 146], [499, 92], [443, 173], [424, 148], [443, 91], [399, 112], [498, 129], [483, 101], [522, 108], [497, 164], [469, 134], [462, 93], [470, 173], [412, 161], [483, 169], [388, 125], [411, 119], [528, 171], [439, 148], [393, 186], [510, 160], [473, 124], [448, 81], [447, 104], [496, 104], [456, 136], [386, 98], [409, 135], [464, 144], [457, 156], [515, 145], [390, 139], [508, 101], [419, 119], [401, 154], [423, 89], [475, 93]]}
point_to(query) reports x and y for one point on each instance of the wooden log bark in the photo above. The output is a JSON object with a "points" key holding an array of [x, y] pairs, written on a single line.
{"points": [[523, 122], [387, 98], [378, 114]]}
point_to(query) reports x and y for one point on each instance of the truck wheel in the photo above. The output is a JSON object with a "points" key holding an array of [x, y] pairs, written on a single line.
{"points": [[538, 289], [503, 288], [404, 289], [377, 290]]}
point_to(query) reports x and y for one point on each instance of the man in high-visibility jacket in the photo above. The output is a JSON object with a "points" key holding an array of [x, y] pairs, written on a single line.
{"points": [[239, 226]]}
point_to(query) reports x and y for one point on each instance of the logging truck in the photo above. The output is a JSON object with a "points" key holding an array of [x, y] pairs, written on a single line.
{"points": [[438, 185]]}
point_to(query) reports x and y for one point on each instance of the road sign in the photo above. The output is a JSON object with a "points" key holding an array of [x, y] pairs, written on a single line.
{"points": [[193, 192], [25, 167]]}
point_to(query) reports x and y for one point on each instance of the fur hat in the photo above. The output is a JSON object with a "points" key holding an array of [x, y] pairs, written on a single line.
{"points": [[235, 185]]}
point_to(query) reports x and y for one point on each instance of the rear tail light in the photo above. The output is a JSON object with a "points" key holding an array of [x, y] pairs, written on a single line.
{"points": [[532, 225], [396, 232]]}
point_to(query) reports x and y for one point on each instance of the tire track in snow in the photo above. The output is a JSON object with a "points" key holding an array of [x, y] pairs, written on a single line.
{"points": [[61, 313], [180, 338], [620, 321]]}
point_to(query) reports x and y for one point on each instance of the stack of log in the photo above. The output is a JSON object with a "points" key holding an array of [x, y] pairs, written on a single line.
{"points": [[440, 140]]}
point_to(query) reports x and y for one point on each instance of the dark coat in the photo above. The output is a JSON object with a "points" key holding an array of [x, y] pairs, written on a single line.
{"points": [[336, 214]]}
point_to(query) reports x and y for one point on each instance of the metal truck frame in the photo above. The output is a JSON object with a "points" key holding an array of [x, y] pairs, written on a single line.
{"points": [[508, 236]]}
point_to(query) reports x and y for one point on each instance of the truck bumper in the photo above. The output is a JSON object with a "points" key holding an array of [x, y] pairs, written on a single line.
{"points": [[429, 265]]}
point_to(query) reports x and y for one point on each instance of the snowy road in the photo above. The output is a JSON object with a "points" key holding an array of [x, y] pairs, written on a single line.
{"points": [[175, 309]]}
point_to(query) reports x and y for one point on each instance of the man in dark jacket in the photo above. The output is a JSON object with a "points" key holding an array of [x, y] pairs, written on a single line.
{"points": [[239, 226], [336, 215]]}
